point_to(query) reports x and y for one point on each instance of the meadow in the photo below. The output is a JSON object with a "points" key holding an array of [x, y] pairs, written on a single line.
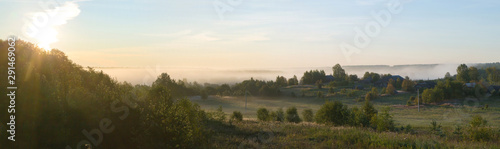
{"points": [[256, 134]]}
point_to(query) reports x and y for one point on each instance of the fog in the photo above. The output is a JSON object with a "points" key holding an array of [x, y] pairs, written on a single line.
{"points": [[146, 75]]}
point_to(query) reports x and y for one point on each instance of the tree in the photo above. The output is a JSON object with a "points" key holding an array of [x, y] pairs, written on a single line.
{"points": [[408, 86], [463, 73], [319, 83], [281, 81], [493, 75], [390, 89], [293, 81], [399, 83], [312, 76], [447, 75], [339, 73], [353, 78], [473, 74]]}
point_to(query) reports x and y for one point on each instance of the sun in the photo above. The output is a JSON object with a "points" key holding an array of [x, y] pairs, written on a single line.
{"points": [[46, 37]]}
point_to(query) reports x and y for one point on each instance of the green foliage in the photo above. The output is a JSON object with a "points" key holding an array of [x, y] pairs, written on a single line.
{"points": [[293, 94], [351, 93], [391, 90], [292, 115], [280, 115], [477, 121], [319, 84], [333, 113], [383, 121], [293, 81], [218, 115], [237, 116], [308, 115], [171, 124], [281, 81], [263, 114], [372, 94], [331, 91], [463, 73], [319, 94], [433, 95], [369, 97], [493, 75], [408, 85], [204, 94], [312, 76]]}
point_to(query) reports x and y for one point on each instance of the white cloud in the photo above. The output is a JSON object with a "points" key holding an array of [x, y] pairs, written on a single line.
{"points": [[44, 24]]}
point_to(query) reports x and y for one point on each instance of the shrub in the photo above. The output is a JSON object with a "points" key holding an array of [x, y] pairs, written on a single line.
{"points": [[351, 93], [333, 113], [369, 97], [280, 115], [263, 114], [319, 94], [218, 115], [292, 115], [308, 115], [331, 90], [383, 121], [237, 116], [293, 94]]}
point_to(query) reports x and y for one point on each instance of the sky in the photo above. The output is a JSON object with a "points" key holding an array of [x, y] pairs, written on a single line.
{"points": [[258, 33]]}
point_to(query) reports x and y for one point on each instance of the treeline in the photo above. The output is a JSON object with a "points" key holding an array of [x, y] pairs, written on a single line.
{"points": [[60, 104], [469, 82]]}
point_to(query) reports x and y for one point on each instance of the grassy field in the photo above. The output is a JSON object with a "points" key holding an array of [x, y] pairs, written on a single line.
{"points": [[254, 134], [447, 114]]}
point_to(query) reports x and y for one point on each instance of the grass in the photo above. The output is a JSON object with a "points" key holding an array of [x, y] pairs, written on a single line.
{"points": [[445, 115], [253, 134]]}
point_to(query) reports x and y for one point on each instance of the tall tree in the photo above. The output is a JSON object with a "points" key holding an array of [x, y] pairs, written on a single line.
{"points": [[339, 72], [447, 75], [463, 73], [473, 74]]}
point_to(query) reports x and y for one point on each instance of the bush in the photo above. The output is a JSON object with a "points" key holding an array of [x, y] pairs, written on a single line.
{"points": [[351, 93], [263, 114], [292, 115], [293, 94], [237, 116], [383, 121], [308, 115], [369, 97], [331, 91], [280, 115], [319, 94], [218, 115], [333, 113]]}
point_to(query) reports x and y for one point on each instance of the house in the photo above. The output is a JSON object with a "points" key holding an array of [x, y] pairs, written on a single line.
{"points": [[424, 85], [383, 81], [328, 78]]}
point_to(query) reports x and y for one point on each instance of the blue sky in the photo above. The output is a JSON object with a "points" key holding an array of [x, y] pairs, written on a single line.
{"points": [[265, 34]]}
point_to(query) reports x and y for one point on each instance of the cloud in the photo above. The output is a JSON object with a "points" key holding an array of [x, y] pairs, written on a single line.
{"points": [[44, 24]]}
